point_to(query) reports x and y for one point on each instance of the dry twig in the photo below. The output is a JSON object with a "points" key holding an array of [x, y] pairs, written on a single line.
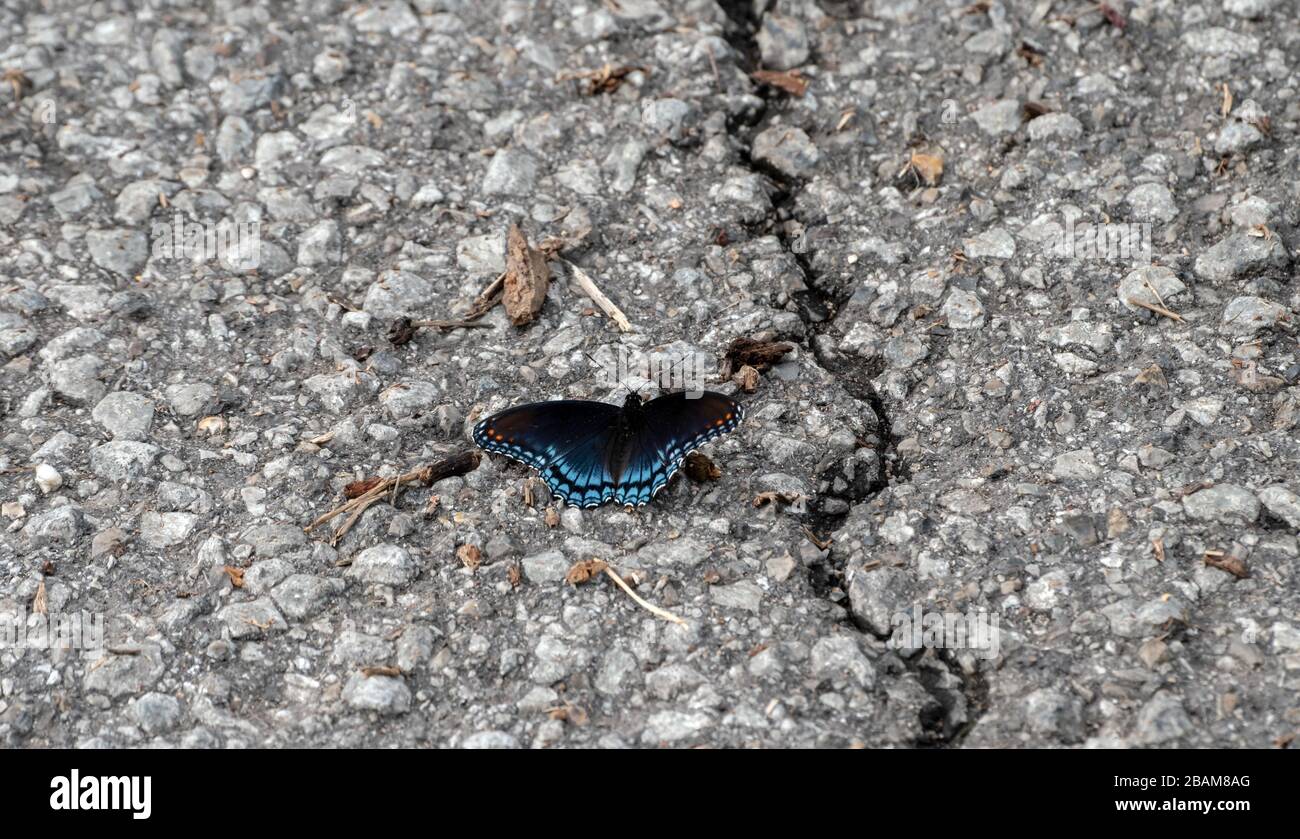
{"points": [[1159, 310], [457, 464], [654, 610], [606, 305]]}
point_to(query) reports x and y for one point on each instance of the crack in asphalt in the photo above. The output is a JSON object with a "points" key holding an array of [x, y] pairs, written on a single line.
{"points": [[954, 710]]}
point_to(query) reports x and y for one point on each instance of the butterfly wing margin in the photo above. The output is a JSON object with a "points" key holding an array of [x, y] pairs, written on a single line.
{"points": [[566, 441], [675, 426]]}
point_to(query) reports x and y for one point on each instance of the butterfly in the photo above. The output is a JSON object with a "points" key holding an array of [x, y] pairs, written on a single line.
{"points": [[589, 453]]}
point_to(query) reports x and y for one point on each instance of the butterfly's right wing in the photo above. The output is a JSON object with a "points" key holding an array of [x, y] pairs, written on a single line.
{"points": [[566, 441], [675, 426]]}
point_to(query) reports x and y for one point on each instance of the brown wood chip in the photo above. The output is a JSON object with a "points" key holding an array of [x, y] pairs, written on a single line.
{"points": [[527, 278], [760, 355]]}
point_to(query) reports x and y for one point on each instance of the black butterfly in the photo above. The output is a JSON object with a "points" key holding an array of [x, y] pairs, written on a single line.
{"points": [[593, 452]]}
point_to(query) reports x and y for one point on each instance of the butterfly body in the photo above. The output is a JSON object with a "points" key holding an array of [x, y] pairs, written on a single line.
{"points": [[590, 453]]}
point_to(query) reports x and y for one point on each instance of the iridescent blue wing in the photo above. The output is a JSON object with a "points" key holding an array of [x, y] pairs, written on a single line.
{"points": [[674, 426], [567, 441]]}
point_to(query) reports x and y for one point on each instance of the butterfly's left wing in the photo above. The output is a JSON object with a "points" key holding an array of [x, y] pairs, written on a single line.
{"points": [[567, 441], [674, 427]]}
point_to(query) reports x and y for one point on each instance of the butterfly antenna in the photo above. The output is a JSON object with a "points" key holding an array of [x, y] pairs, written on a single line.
{"points": [[594, 362], [681, 360]]}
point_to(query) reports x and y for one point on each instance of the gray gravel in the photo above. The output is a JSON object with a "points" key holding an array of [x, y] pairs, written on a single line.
{"points": [[982, 414]]}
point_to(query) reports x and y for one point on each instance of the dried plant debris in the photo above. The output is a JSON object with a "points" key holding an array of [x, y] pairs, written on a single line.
{"points": [[606, 79], [700, 469], [584, 570], [236, 575], [760, 355], [470, 556], [403, 329], [1031, 53], [747, 378], [527, 278], [356, 489], [588, 285], [1234, 565], [922, 167], [772, 497], [574, 714], [18, 82], [376, 488], [790, 81]]}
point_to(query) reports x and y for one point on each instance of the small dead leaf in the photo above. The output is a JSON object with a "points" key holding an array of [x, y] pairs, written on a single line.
{"points": [[401, 331], [47, 568], [1158, 548], [1226, 107], [527, 278], [605, 80], [470, 556], [356, 489], [584, 570], [381, 670], [212, 425], [18, 82], [551, 517], [571, 713], [747, 378], [40, 604], [1153, 376], [236, 575], [514, 575], [929, 167], [699, 468], [1234, 565], [790, 81]]}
